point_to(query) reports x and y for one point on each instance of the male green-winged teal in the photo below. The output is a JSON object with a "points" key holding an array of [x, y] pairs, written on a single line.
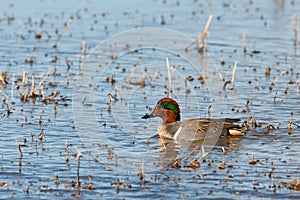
{"points": [[192, 129]]}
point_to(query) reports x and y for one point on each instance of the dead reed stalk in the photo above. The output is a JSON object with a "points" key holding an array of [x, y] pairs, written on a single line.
{"points": [[233, 73], [79, 155], [201, 39], [169, 77], [19, 147], [244, 42], [66, 26], [83, 48], [277, 78]]}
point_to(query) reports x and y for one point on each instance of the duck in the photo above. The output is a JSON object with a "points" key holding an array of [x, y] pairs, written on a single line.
{"points": [[172, 128]]}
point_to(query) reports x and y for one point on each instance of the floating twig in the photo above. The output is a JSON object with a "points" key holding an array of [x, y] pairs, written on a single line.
{"points": [[277, 78], [140, 82]]}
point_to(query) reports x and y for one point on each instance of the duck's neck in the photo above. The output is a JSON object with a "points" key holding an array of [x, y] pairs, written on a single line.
{"points": [[168, 130]]}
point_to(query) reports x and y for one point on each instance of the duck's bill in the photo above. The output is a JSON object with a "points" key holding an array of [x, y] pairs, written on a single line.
{"points": [[151, 115]]}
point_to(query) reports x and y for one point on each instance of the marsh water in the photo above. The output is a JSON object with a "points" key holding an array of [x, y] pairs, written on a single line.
{"points": [[76, 53]]}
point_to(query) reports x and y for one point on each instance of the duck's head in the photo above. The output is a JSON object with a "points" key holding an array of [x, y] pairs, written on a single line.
{"points": [[167, 109]]}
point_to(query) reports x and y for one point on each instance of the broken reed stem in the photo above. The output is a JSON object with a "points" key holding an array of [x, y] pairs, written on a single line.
{"points": [[19, 147], [79, 155], [253, 121], [41, 135], [41, 117], [170, 78], [63, 31], [244, 42], [55, 111], [205, 31], [224, 151], [203, 153], [187, 90], [24, 78], [202, 35], [45, 78], [41, 92], [83, 48], [32, 84], [41, 88], [233, 73]]}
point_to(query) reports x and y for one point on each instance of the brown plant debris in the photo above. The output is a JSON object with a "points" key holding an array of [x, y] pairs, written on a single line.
{"points": [[294, 185]]}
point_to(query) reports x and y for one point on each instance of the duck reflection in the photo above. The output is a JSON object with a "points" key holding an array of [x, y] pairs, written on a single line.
{"points": [[172, 150]]}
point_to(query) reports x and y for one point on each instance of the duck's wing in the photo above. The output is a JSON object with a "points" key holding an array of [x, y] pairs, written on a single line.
{"points": [[198, 129], [193, 129]]}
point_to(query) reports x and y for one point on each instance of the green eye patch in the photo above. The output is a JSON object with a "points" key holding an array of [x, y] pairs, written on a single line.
{"points": [[170, 106]]}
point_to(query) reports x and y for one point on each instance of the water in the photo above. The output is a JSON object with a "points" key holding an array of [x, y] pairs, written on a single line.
{"points": [[112, 136]]}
